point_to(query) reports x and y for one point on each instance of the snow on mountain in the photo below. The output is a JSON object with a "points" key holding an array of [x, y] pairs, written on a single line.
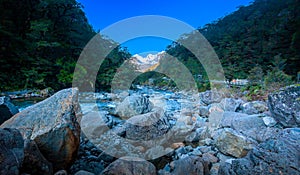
{"points": [[148, 63]]}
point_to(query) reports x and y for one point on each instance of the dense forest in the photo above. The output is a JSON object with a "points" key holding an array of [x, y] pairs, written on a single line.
{"points": [[260, 42], [41, 41]]}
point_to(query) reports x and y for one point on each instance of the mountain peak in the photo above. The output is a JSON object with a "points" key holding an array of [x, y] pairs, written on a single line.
{"points": [[144, 63]]}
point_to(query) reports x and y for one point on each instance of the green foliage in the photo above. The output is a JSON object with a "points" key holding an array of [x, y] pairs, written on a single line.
{"points": [[251, 42], [276, 79], [41, 41], [256, 92], [255, 76]]}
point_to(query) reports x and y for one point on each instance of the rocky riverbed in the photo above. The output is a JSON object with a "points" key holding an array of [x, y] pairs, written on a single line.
{"points": [[149, 131]]}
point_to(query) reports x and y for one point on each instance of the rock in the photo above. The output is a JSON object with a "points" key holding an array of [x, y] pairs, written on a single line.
{"points": [[224, 158], [133, 105], [215, 117], [254, 107], [214, 169], [187, 120], [11, 151], [53, 125], [230, 104], [284, 106], [209, 97], [180, 131], [34, 162], [279, 155], [251, 126], [47, 92], [90, 158], [232, 143], [61, 172], [197, 135], [94, 124], [157, 151], [130, 166], [269, 121], [203, 111], [177, 145], [187, 165], [115, 146], [208, 157], [229, 117], [7, 109], [147, 126], [82, 172], [241, 165]]}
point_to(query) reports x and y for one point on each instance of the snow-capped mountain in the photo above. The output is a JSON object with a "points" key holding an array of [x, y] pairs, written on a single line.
{"points": [[148, 63]]}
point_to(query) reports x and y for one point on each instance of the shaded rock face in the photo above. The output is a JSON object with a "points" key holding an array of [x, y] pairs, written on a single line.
{"points": [[53, 125], [34, 162], [147, 126], [187, 165], [11, 151], [90, 158], [230, 142], [7, 109], [209, 97], [279, 155], [133, 105], [130, 166], [285, 106]]}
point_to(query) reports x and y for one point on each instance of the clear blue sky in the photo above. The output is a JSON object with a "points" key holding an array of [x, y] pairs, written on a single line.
{"points": [[197, 13]]}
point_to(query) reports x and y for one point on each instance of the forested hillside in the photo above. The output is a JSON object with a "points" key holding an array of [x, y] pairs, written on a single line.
{"points": [[260, 39], [41, 41]]}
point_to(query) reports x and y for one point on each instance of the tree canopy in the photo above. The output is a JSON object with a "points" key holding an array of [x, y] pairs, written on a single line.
{"points": [[41, 41]]}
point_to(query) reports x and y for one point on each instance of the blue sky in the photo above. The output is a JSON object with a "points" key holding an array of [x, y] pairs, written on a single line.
{"points": [[197, 13]]}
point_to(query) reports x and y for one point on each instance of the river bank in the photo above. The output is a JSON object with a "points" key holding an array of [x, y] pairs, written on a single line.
{"points": [[152, 131]]}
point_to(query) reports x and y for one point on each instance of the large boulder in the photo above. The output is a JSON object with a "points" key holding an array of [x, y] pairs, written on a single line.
{"points": [[254, 107], [252, 126], [187, 165], [279, 155], [232, 143], [231, 104], [284, 106], [147, 126], [130, 166], [11, 151], [209, 97], [53, 125], [133, 105], [7, 109], [34, 162]]}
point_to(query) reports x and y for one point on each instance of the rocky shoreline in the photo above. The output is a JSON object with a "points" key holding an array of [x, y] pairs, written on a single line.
{"points": [[151, 132]]}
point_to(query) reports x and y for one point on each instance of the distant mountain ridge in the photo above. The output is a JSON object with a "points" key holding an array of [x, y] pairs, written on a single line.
{"points": [[148, 63]]}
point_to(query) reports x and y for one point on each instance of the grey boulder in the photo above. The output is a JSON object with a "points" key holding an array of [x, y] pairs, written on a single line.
{"points": [[284, 106], [209, 97], [7, 109], [53, 125], [133, 105], [11, 151], [279, 155], [130, 166]]}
